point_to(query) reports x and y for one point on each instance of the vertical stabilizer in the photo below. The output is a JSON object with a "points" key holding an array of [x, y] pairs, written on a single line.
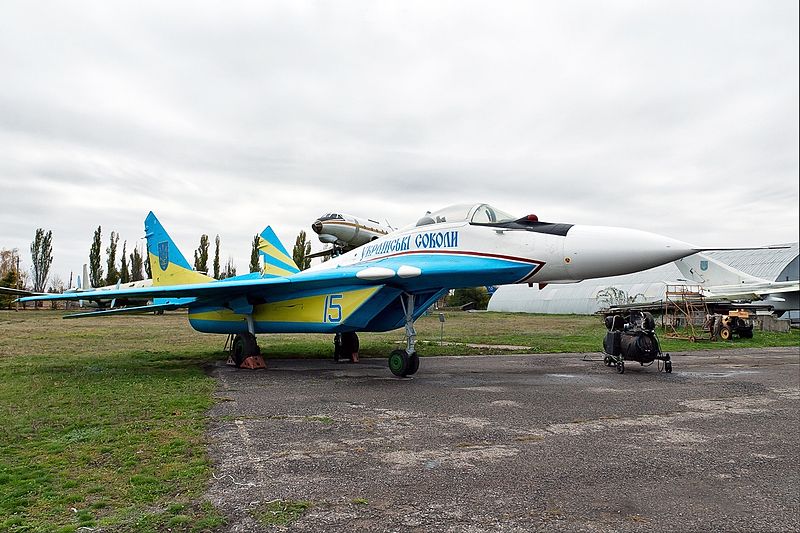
{"points": [[276, 260], [700, 268], [167, 263]]}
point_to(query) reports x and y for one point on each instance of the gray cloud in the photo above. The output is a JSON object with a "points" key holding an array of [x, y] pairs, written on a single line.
{"points": [[662, 115]]}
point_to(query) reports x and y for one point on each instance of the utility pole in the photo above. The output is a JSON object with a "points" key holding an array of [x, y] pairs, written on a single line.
{"points": [[18, 287]]}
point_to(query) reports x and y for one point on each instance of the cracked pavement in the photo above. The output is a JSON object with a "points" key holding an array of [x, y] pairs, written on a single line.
{"points": [[513, 443]]}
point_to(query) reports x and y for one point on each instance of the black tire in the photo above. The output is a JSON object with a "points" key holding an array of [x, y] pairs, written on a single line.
{"points": [[337, 347], [668, 367], [237, 350], [398, 363], [620, 367], [349, 345], [607, 360], [244, 345], [725, 333], [413, 364]]}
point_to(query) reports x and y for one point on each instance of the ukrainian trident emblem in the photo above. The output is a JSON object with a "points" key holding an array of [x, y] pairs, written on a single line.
{"points": [[163, 255]]}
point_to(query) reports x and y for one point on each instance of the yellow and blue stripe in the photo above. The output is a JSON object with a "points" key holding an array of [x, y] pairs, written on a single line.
{"points": [[277, 261]]}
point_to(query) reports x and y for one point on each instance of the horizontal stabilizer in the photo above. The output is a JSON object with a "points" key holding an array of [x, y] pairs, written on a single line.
{"points": [[19, 292]]}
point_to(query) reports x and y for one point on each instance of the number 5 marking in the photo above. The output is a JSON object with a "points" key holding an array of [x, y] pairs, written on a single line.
{"points": [[333, 311]]}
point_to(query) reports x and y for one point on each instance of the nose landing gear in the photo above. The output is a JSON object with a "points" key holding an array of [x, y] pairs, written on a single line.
{"points": [[404, 363]]}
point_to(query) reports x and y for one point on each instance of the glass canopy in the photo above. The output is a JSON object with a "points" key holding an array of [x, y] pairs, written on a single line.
{"points": [[472, 213]]}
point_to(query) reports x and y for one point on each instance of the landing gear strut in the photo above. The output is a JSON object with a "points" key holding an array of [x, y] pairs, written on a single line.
{"points": [[345, 346], [406, 362]]}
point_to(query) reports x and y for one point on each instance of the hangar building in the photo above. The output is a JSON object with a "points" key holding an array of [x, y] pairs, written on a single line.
{"points": [[587, 297]]}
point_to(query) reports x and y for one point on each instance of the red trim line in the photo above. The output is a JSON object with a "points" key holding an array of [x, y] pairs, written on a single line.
{"points": [[450, 252]]}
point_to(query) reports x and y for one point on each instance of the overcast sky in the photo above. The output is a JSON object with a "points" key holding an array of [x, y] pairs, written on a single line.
{"points": [[223, 117]]}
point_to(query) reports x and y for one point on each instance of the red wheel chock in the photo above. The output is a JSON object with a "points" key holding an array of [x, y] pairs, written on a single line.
{"points": [[254, 362]]}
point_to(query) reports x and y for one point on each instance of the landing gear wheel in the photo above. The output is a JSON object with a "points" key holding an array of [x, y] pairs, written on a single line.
{"points": [[668, 367], [244, 345], [337, 347], [399, 362], [345, 345], [413, 364], [350, 346], [725, 333], [620, 367]]}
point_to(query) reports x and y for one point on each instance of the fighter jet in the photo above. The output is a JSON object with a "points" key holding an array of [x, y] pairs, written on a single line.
{"points": [[716, 279], [390, 282]]}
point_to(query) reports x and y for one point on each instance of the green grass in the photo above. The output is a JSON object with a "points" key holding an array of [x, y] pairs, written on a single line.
{"points": [[102, 426], [102, 419]]}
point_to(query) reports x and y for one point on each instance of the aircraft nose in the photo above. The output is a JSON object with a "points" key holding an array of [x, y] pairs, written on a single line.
{"points": [[597, 251], [317, 226]]}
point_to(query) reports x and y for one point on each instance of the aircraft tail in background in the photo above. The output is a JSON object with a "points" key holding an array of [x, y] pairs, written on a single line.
{"points": [[701, 269]]}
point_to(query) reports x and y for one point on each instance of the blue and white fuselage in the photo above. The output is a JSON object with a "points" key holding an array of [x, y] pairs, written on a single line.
{"points": [[392, 280]]}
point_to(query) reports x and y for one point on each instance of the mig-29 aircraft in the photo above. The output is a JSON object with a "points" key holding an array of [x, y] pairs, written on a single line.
{"points": [[388, 283]]}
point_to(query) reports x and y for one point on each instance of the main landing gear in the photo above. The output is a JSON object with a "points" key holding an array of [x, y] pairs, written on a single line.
{"points": [[345, 346], [404, 363], [245, 352]]}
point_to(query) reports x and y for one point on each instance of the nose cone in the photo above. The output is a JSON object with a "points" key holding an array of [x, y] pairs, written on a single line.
{"points": [[598, 251], [317, 226]]}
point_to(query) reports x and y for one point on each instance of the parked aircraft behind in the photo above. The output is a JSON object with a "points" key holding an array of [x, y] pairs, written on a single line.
{"points": [[346, 232], [391, 281], [94, 301], [721, 280]]}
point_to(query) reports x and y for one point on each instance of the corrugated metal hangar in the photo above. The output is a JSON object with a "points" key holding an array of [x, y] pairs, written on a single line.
{"points": [[588, 297]]}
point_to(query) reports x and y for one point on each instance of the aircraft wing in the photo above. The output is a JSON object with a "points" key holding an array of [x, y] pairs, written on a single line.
{"points": [[20, 292], [228, 289], [754, 290], [126, 310], [397, 272]]}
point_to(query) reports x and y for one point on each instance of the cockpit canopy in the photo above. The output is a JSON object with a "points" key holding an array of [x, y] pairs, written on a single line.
{"points": [[472, 213], [331, 216]]}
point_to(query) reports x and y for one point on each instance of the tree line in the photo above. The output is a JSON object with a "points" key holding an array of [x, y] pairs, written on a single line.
{"points": [[134, 266]]}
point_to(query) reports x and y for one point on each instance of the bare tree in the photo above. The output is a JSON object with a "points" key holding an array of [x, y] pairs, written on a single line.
{"points": [[8, 261], [230, 269]]}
